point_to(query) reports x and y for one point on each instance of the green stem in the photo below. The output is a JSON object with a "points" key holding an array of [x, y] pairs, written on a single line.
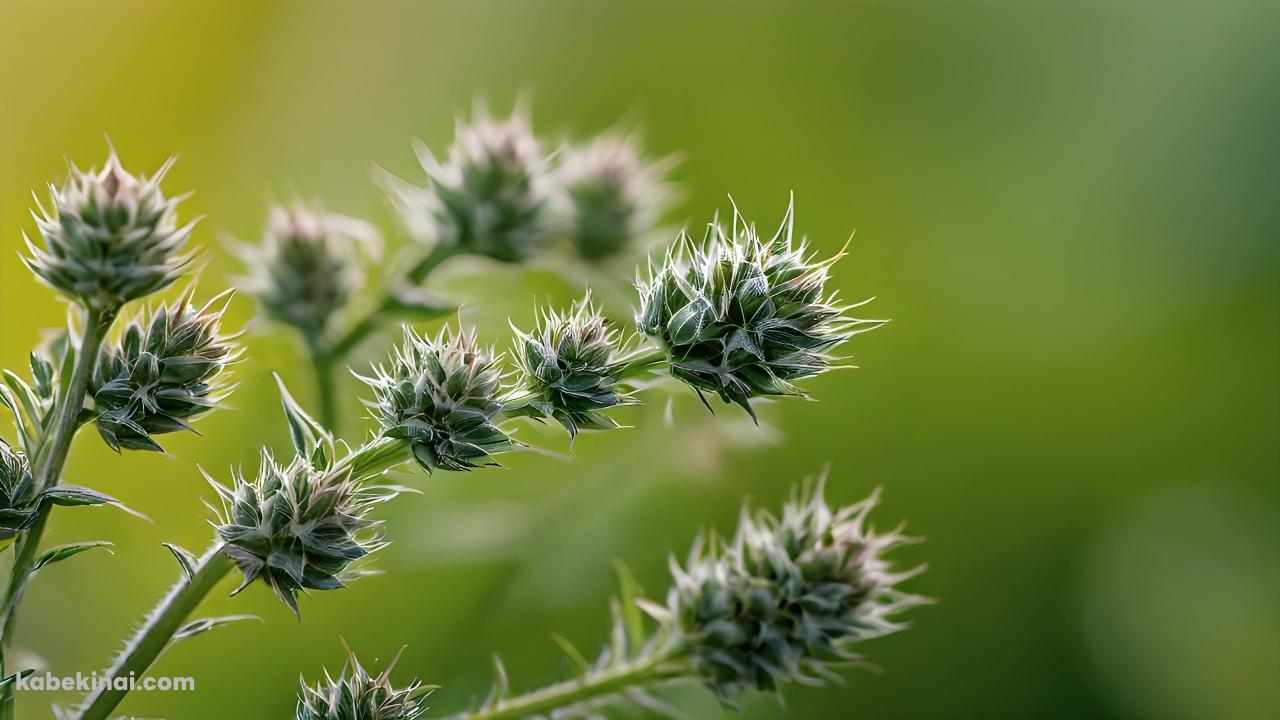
{"points": [[48, 473], [362, 327], [326, 387], [589, 689], [157, 631]]}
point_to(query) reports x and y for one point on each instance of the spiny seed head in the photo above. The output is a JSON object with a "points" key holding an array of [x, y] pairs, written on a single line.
{"points": [[608, 197], [744, 317], [789, 595], [489, 196], [18, 505], [109, 237], [441, 394], [309, 265], [569, 369], [166, 370], [357, 695], [297, 526]]}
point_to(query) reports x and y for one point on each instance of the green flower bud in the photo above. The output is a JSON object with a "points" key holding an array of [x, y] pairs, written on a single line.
{"points": [[442, 395], [488, 198], [357, 695], [298, 527], [110, 237], [789, 596], [608, 198], [166, 370], [744, 317], [18, 502], [569, 369], [309, 266]]}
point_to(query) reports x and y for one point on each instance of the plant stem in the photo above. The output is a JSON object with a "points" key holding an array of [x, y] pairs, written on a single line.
{"points": [[642, 363], [326, 392], [591, 688], [48, 473], [157, 631], [362, 327]]}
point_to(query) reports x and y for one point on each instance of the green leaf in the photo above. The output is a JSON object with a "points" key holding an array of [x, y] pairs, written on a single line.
{"points": [[19, 421], [185, 559], [74, 495], [195, 627], [42, 374], [628, 592], [16, 677], [62, 552], [310, 438], [25, 395], [579, 661]]}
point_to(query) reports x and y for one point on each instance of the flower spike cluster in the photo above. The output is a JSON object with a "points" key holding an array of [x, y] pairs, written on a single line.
{"points": [[570, 369], [18, 496], [743, 317], [609, 197], [442, 394], [358, 695], [489, 196], [306, 270], [109, 237], [166, 370], [298, 526], [786, 600], [789, 595]]}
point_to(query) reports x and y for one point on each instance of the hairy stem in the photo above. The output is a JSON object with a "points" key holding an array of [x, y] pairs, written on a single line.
{"points": [[48, 472], [590, 689], [157, 631]]}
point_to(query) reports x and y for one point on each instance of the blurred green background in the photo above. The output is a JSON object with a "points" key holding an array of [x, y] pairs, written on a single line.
{"points": [[1068, 209]]}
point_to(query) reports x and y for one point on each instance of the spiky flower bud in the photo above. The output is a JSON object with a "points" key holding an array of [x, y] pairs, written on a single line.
{"points": [[110, 237], [569, 369], [442, 395], [744, 317], [489, 196], [18, 497], [297, 526], [357, 695], [166, 370], [608, 197], [788, 596], [309, 266]]}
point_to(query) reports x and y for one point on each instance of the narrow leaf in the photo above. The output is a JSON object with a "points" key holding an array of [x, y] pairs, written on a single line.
{"points": [[62, 552], [195, 627], [628, 591], [307, 435], [185, 559], [75, 495], [579, 661]]}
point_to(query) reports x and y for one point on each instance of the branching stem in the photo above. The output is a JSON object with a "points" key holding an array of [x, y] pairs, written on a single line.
{"points": [[48, 472], [590, 689]]}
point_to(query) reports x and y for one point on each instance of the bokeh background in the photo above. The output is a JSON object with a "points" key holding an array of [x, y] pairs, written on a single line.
{"points": [[1067, 208]]}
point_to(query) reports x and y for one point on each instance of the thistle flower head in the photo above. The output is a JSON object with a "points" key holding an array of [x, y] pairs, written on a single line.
{"points": [[109, 237], [569, 369], [488, 197], [610, 198], [744, 317], [298, 526], [789, 595], [357, 695], [308, 266], [166, 370], [442, 395], [18, 497]]}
